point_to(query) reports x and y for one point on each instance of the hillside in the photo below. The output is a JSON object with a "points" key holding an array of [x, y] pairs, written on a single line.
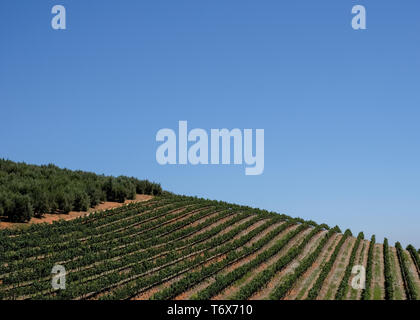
{"points": [[30, 190], [176, 247]]}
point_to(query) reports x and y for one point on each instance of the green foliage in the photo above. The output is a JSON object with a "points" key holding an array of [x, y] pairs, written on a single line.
{"points": [[287, 284], [316, 288], [81, 201], [27, 190], [232, 255], [342, 288], [410, 287], [226, 280], [369, 269], [415, 256], [172, 243], [21, 210], [264, 277], [389, 279]]}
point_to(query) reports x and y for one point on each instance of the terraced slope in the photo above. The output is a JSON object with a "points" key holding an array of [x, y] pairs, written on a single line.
{"points": [[175, 247]]}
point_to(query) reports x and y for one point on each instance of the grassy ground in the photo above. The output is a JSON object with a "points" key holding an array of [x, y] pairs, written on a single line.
{"points": [[377, 290], [314, 275], [398, 293], [354, 292], [339, 272]]}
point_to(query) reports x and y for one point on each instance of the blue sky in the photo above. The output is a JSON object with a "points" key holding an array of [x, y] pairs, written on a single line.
{"points": [[340, 108]]}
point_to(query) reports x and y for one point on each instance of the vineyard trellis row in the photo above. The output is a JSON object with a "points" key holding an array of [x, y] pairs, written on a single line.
{"points": [[316, 288], [369, 269], [170, 245], [342, 288], [409, 285], [389, 278], [415, 256], [287, 284]]}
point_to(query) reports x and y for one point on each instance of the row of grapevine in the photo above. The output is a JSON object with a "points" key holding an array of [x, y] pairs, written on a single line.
{"points": [[410, 287], [130, 288], [389, 278], [121, 252], [262, 279], [415, 256], [287, 284], [108, 264], [115, 242], [75, 249], [174, 244], [316, 288], [57, 229], [369, 269], [342, 288], [18, 268], [190, 257], [231, 253], [228, 279], [35, 247]]}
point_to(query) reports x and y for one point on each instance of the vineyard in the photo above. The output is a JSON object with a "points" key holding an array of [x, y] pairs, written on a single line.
{"points": [[178, 247]]}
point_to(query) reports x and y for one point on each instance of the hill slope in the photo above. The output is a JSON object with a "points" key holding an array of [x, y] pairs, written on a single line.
{"points": [[31, 190], [175, 247]]}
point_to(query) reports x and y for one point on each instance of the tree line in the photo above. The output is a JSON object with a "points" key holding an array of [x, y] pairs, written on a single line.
{"points": [[31, 190]]}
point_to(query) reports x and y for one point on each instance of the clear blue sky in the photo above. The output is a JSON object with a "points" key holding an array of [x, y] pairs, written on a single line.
{"points": [[340, 108]]}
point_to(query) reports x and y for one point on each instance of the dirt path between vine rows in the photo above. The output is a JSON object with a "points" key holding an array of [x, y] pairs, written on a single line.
{"points": [[147, 294], [413, 271], [290, 268], [265, 292], [378, 278], [194, 290], [336, 274], [399, 292], [230, 291], [306, 281], [361, 259]]}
